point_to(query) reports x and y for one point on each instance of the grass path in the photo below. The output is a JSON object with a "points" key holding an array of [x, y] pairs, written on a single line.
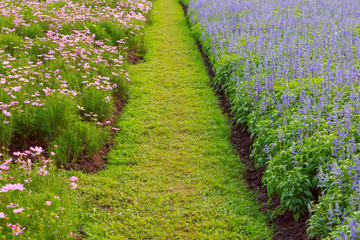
{"points": [[172, 173]]}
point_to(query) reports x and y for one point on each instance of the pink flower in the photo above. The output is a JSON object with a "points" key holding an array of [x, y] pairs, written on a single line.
{"points": [[70, 234], [42, 171], [7, 113], [48, 203], [28, 180], [9, 187], [2, 215], [19, 210], [81, 108], [16, 228], [73, 179], [12, 205], [73, 185], [52, 153], [37, 150], [4, 167]]}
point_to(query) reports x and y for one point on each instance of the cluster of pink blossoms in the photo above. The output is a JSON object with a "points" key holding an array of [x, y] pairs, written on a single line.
{"points": [[26, 78], [25, 166]]}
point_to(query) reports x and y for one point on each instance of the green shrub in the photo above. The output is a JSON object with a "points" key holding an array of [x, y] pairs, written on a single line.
{"points": [[98, 103], [32, 31], [83, 138], [58, 113]]}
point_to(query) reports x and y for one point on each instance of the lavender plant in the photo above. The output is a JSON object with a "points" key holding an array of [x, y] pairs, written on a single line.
{"points": [[291, 71]]}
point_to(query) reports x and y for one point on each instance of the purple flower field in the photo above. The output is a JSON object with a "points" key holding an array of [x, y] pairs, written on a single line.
{"points": [[291, 70]]}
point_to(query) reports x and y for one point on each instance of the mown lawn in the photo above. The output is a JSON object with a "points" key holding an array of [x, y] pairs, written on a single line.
{"points": [[172, 172]]}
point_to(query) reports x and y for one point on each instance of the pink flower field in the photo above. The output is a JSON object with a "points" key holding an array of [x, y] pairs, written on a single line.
{"points": [[62, 68]]}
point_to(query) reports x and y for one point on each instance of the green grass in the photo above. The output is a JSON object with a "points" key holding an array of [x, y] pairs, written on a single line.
{"points": [[172, 172]]}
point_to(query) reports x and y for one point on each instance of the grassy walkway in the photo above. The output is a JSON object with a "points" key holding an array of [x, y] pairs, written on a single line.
{"points": [[172, 173]]}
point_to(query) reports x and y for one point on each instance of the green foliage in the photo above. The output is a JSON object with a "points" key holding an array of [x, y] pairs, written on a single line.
{"points": [[97, 102], [224, 69], [185, 2], [10, 42], [82, 138], [59, 113], [6, 130], [32, 31]]}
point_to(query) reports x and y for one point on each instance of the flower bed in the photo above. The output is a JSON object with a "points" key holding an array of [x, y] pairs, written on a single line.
{"points": [[62, 64], [291, 71], [62, 67]]}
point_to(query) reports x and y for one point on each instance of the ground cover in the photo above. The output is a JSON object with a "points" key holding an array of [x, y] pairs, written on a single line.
{"points": [[172, 173], [291, 70], [62, 68]]}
